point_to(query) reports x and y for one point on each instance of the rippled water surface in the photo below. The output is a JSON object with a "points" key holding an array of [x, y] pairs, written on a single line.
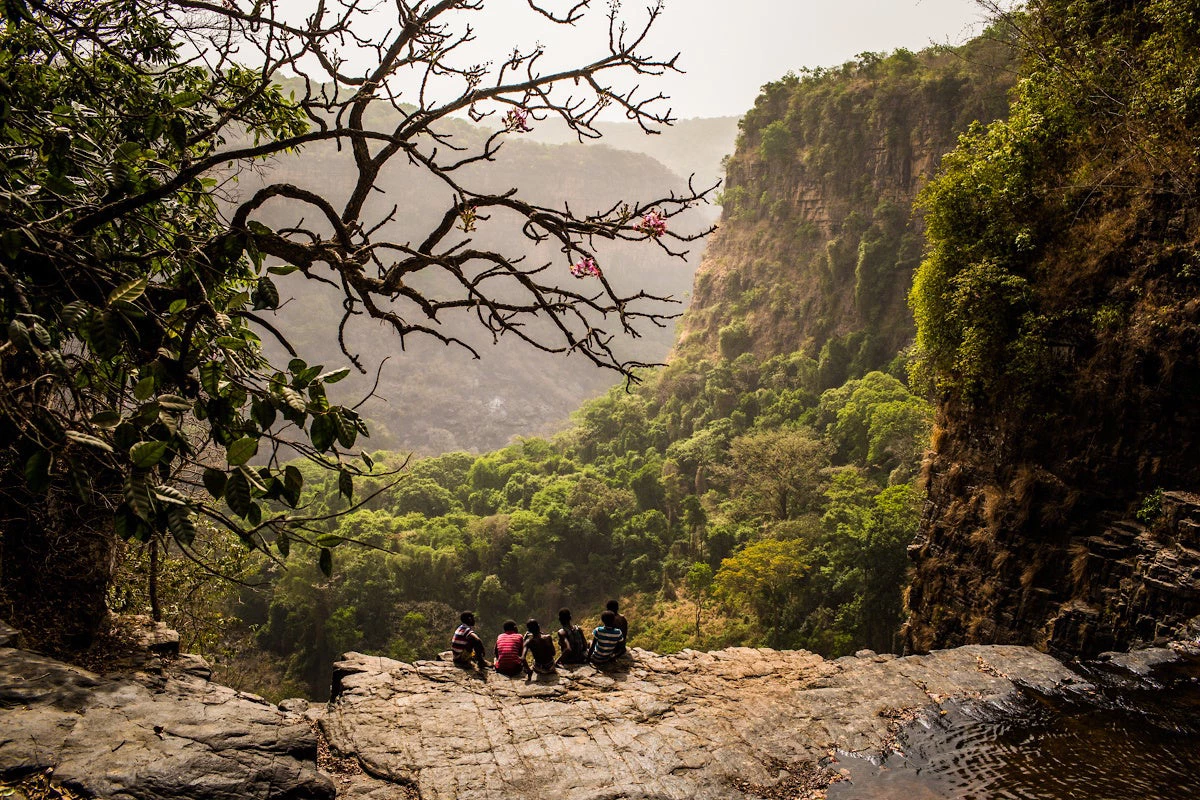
{"points": [[1117, 741]]}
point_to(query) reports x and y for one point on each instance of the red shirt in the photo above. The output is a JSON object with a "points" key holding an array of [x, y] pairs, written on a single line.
{"points": [[508, 650]]}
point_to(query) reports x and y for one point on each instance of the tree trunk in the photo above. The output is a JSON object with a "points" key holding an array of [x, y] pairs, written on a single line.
{"points": [[56, 562]]}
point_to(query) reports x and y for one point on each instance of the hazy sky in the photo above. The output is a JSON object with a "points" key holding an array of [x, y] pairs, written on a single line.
{"points": [[730, 48]]}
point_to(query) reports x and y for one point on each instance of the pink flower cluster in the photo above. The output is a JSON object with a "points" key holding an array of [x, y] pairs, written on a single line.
{"points": [[517, 120], [653, 224], [587, 266]]}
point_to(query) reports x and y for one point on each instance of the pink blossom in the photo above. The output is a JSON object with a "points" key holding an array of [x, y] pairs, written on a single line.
{"points": [[585, 267], [517, 121], [653, 224]]}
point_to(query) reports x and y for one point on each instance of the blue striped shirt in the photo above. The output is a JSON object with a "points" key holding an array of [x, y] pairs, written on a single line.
{"points": [[604, 643]]}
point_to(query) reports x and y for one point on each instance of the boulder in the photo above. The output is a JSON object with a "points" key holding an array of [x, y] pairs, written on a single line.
{"points": [[150, 737]]}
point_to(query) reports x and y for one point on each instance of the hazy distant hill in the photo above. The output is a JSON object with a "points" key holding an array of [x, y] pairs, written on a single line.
{"points": [[691, 146], [434, 398]]}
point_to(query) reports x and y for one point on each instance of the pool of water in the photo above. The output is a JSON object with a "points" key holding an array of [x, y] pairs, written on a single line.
{"points": [[1119, 739]]}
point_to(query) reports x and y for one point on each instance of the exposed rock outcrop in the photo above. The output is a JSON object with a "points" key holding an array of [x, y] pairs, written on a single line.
{"points": [[1128, 585], [162, 731], [727, 724]]}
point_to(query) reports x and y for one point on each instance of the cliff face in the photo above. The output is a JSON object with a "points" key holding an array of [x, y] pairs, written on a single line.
{"points": [[818, 242], [1058, 321]]}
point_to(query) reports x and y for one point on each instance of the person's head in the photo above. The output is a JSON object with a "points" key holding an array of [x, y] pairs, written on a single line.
{"points": [[510, 626], [467, 618], [533, 627], [564, 616], [609, 618], [612, 606]]}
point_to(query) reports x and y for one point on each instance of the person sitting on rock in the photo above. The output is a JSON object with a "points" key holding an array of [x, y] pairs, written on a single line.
{"points": [[510, 651], [572, 642], [621, 623], [466, 644], [606, 639], [541, 647]]}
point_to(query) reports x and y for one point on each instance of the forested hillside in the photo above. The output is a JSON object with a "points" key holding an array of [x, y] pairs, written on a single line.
{"points": [[435, 398], [819, 241], [751, 492], [1058, 324]]}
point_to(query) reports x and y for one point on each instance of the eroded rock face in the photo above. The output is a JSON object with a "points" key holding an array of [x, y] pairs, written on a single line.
{"points": [[690, 725], [150, 736]]}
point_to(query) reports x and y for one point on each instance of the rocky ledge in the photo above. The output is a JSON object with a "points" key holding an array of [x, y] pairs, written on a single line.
{"points": [[158, 730], [738, 723]]}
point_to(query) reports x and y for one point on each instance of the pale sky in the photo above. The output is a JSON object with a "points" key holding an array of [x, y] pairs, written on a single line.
{"points": [[729, 48]]}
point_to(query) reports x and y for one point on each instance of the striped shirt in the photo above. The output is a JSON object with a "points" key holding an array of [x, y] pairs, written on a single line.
{"points": [[461, 643], [604, 643], [509, 650]]}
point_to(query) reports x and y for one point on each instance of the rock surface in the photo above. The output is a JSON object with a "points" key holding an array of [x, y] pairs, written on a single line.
{"points": [[703, 726], [146, 735]]}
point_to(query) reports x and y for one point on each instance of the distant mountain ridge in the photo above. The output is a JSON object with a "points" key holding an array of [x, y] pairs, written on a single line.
{"points": [[432, 398]]}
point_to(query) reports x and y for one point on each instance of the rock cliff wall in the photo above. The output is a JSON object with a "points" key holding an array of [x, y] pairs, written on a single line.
{"points": [[818, 241]]}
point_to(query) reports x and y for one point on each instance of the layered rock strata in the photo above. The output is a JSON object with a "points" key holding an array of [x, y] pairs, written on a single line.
{"points": [[160, 731], [703, 726]]}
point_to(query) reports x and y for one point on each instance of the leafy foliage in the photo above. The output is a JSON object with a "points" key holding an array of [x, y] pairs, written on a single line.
{"points": [[134, 381]]}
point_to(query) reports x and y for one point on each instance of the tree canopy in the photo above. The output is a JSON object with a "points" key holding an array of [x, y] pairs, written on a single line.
{"points": [[135, 393]]}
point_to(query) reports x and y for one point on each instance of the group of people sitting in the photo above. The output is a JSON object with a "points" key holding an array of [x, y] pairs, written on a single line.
{"points": [[535, 651]]}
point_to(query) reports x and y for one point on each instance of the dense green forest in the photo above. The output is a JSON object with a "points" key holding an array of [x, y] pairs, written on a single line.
{"points": [[726, 503], [760, 492]]}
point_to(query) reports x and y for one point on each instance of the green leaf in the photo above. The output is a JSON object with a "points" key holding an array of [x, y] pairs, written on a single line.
{"points": [[214, 482], [37, 471], [128, 292], [263, 413], [283, 543], [335, 375], [179, 522], [241, 451], [266, 295], [293, 482], [230, 342], [55, 361], [210, 377], [88, 439], [186, 99], [74, 312], [346, 484], [18, 334], [106, 419], [283, 269], [305, 376], [293, 398], [254, 514], [329, 540], [137, 494], [144, 388], [177, 306], [347, 433], [41, 334], [370, 462], [237, 494], [173, 402], [322, 432], [146, 454], [297, 365], [171, 496], [325, 561]]}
